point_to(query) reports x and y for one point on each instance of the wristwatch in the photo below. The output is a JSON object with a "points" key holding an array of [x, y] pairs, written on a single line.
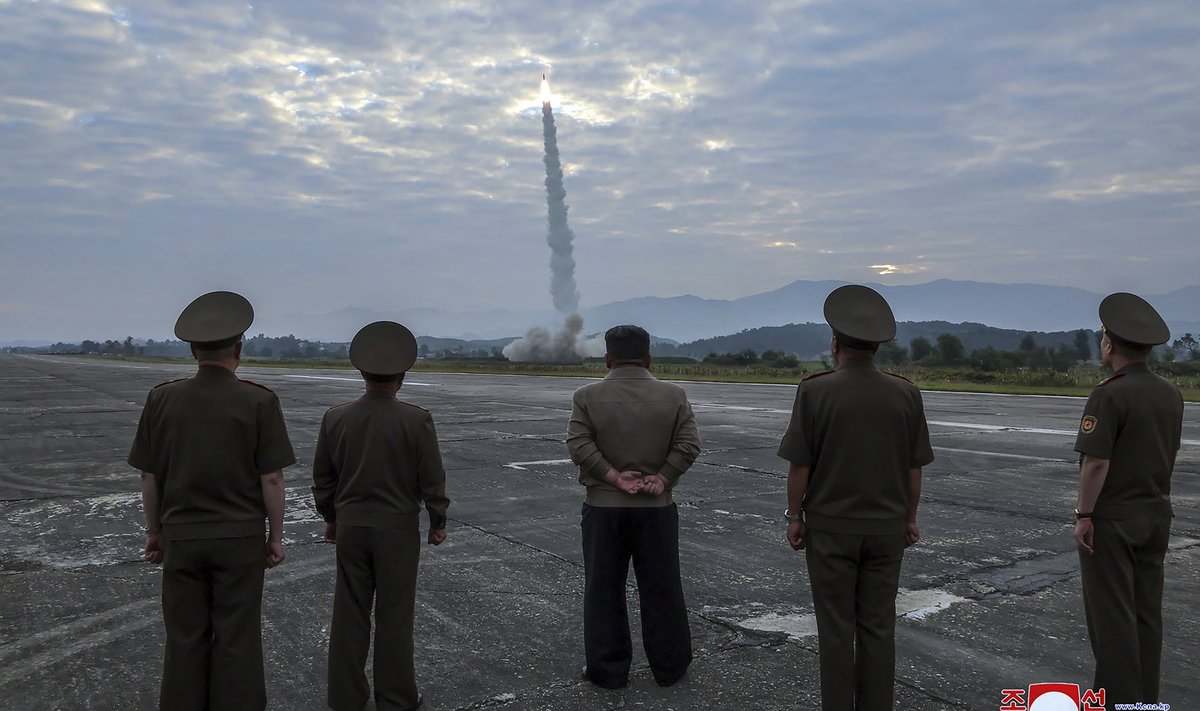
{"points": [[792, 517], [1079, 514]]}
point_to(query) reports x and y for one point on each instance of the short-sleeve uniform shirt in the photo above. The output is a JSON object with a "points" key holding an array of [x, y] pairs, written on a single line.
{"points": [[377, 461], [208, 440], [860, 431], [1135, 420]]}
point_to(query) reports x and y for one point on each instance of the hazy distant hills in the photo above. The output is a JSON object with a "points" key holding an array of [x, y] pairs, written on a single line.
{"points": [[808, 340], [1023, 307], [1020, 307]]}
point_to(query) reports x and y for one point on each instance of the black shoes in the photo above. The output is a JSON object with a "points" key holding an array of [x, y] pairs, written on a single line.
{"points": [[583, 674]]}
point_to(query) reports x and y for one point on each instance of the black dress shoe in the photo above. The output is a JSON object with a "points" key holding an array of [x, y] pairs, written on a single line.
{"points": [[670, 680], [603, 685]]}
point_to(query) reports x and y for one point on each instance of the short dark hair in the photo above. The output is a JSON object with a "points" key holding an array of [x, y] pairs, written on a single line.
{"points": [[377, 378], [854, 344], [217, 350], [627, 343], [1127, 349]]}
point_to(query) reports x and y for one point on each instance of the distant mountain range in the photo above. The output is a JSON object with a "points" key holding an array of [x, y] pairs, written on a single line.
{"points": [[1020, 307], [807, 340]]}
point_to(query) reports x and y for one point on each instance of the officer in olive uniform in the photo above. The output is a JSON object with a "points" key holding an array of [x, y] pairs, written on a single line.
{"points": [[856, 441], [1128, 439], [633, 436], [211, 449], [377, 460]]}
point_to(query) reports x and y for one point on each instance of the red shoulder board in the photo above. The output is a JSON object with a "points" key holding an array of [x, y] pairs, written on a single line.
{"points": [[817, 375], [176, 380], [415, 407], [257, 385], [897, 375], [1112, 378]]}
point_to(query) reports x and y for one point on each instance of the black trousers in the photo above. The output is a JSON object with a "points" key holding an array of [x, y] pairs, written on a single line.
{"points": [[612, 536], [1122, 596], [212, 611], [374, 565], [854, 581]]}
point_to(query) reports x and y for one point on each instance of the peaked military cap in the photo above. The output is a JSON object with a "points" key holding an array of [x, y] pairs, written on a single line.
{"points": [[861, 313], [1130, 318], [216, 319], [383, 348]]}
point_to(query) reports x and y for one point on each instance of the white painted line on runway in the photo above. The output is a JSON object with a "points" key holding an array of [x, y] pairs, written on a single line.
{"points": [[521, 466], [1018, 428], [1000, 428], [910, 604], [738, 408], [347, 380], [1004, 455]]}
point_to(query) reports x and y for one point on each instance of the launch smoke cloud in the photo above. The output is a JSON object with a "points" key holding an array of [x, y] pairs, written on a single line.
{"points": [[539, 344]]}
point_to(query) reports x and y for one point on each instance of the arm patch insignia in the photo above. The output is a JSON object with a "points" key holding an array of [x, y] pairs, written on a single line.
{"points": [[1087, 425]]}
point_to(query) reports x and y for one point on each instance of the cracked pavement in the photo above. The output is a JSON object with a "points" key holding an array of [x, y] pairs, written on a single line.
{"points": [[989, 599]]}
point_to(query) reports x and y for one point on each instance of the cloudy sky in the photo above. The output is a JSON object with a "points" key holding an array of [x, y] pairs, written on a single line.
{"points": [[316, 155]]}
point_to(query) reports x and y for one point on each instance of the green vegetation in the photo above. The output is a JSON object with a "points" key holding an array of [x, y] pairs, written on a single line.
{"points": [[1078, 381], [937, 363]]}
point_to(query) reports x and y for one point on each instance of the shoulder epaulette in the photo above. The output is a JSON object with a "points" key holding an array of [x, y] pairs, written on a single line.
{"points": [[415, 407], [897, 375], [168, 382], [257, 385], [817, 375], [1111, 378]]}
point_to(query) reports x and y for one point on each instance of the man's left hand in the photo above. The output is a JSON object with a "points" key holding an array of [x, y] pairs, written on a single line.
{"points": [[331, 533], [797, 532], [1085, 536], [154, 548]]}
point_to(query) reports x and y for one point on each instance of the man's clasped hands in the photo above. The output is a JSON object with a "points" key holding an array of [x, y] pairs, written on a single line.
{"points": [[634, 482]]}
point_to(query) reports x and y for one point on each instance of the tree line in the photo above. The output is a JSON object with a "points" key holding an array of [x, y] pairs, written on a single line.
{"points": [[948, 350]]}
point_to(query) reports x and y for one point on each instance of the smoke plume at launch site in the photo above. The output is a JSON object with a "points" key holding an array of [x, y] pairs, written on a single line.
{"points": [[538, 344]]}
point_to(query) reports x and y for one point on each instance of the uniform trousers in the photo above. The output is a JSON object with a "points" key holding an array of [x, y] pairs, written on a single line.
{"points": [[374, 565], [612, 537], [1122, 597], [212, 611], [854, 581]]}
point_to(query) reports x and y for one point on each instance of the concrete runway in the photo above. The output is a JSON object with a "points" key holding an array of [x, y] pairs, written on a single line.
{"points": [[990, 596]]}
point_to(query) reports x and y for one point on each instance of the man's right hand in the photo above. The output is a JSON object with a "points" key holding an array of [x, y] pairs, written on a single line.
{"points": [[331, 533], [654, 484], [437, 536], [275, 554]]}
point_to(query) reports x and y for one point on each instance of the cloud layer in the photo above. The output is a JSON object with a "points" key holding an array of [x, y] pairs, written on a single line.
{"points": [[316, 155]]}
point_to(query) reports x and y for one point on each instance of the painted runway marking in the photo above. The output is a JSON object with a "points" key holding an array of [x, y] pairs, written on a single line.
{"points": [[910, 604], [1018, 428], [1005, 455], [521, 466], [347, 380]]}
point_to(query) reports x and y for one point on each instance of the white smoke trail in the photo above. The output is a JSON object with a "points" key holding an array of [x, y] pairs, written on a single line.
{"points": [[538, 344], [566, 346], [559, 235]]}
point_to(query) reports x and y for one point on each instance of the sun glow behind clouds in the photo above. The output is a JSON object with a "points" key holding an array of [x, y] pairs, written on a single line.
{"points": [[886, 269]]}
